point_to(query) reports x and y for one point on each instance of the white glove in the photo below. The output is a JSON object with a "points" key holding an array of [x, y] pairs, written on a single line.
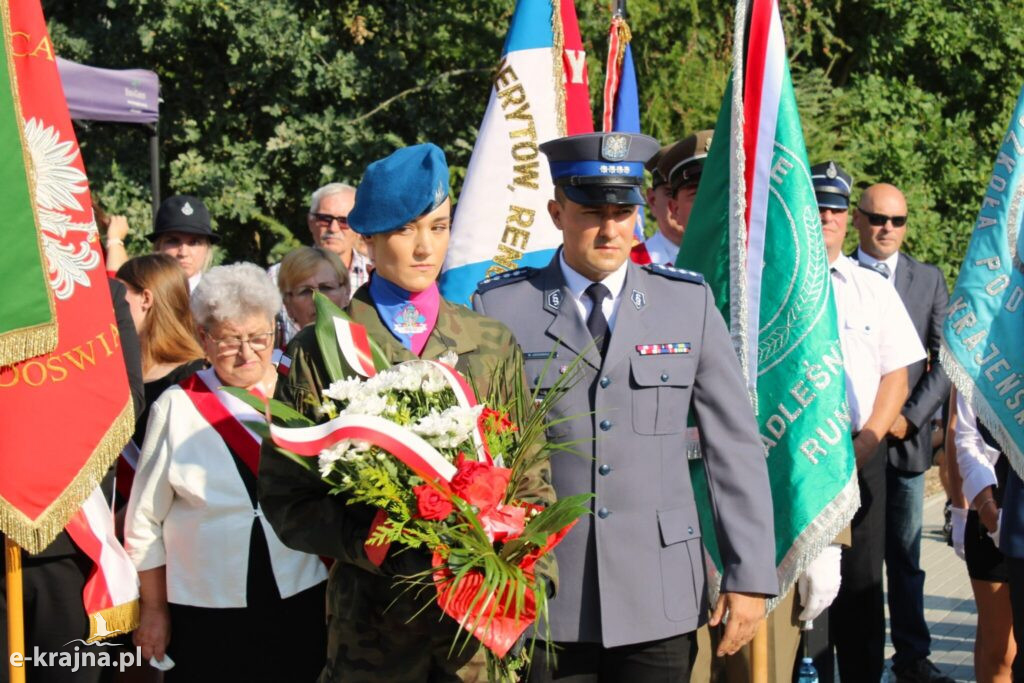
{"points": [[958, 517], [994, 535], [819, 585]]}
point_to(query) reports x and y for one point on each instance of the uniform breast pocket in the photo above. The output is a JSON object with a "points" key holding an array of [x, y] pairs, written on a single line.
{"points": [[661, 386]]}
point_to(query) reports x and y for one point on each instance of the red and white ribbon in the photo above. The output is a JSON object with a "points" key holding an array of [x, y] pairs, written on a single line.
{"points": [[410, 448], [113, 584], [355, 346], [466, 399]]}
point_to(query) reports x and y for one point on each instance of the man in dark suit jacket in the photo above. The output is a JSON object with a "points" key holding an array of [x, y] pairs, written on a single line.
{"points": [[881, 220]]}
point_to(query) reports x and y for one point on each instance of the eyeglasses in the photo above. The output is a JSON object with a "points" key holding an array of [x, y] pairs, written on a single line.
{"points": [[880, 219], [325, 219], [230, 346], [323, 288]]}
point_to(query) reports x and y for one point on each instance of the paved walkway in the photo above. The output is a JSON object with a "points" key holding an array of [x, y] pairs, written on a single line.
{"points": [[948, 601]]}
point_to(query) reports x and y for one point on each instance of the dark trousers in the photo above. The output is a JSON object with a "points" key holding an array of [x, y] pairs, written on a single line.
{"points": [[54, 616], [904, 505], [657, 661], [857, 617], [1016, 566]]}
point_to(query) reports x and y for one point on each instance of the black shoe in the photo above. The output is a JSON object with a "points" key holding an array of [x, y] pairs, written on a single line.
{"points": [[920, 671]]}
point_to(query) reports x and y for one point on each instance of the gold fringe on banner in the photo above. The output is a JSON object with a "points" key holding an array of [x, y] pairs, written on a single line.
{"points": [[625, 35], [558, 54], [117, 620], [27, 342], [35, 535]]}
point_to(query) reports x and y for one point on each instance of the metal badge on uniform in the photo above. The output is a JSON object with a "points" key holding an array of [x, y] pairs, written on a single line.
{"points": [[638, 298], [831, 171], [615, 147], [410, 321], [187, 209], [661, 349], [555, 298]]}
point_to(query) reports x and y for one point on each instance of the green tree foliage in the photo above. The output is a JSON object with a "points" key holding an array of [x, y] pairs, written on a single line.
{"points": [[265, 101]]}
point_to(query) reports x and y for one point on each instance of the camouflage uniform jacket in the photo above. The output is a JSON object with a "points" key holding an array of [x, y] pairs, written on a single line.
{"points": [[372, 619]]}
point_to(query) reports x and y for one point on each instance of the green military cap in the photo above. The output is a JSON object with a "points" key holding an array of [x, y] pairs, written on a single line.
{"points": [[657, 180], [683, 162]]}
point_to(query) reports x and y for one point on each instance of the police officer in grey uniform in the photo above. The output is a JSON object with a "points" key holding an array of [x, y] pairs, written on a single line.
{"points": [[654, 348]]}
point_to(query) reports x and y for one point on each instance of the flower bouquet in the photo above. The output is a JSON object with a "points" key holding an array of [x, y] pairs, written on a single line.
{"points": [[444, 474]]}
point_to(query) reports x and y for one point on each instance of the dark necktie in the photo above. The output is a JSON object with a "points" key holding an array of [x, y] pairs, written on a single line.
{"points": [[597, 324]]}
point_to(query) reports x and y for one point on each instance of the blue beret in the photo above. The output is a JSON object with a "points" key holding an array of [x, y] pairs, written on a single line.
{"points": [[400, 188]]}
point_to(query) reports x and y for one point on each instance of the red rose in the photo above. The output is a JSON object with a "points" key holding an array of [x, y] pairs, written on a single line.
{"points": [[432, 504], [493, 421], [480, 484]]}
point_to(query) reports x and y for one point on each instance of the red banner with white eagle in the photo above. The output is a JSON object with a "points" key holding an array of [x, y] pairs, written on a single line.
{"points": [[66, 413]]}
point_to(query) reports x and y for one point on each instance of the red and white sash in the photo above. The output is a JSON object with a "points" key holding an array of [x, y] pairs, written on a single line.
{"points": [[222, 411], [111, 593]]}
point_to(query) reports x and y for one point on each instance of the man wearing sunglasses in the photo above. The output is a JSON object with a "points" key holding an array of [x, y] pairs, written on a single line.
{"points": [[881, 221], [328, 224], [879, 342]]}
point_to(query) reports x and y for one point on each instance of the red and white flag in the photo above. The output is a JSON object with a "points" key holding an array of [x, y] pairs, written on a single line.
{"points": [[66, 413]]}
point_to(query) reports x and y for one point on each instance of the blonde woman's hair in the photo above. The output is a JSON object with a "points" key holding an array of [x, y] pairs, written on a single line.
{"points": [[168, 333], [301, 263]]}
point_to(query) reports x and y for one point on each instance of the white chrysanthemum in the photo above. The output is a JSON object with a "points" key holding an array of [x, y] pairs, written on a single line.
{"points": [[327, 409], [345, 389], [449, 358], [448, 428], [367, 404], [57, 179]]}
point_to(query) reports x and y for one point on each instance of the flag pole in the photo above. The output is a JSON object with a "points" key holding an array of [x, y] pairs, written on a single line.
{"points": [[759, 654], [15, 609]]}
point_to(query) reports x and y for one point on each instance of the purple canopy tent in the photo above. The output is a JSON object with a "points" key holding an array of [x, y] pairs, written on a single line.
{"points": [[120, 96]]}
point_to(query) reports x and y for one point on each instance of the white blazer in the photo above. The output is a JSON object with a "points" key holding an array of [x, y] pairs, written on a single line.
{"points": [[189, 510]]}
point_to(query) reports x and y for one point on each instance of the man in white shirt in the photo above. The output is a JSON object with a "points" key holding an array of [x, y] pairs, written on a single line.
{"points": [[878, 341], [673, 189], [663, 245], [881, 221]]}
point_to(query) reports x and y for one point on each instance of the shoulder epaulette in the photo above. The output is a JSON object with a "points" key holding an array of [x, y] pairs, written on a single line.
{"points": [[508, 277], [675, 273]]}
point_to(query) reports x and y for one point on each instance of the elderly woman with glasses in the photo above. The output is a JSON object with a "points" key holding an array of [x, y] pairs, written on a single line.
{"points": [[304, 271], [220, 593]]}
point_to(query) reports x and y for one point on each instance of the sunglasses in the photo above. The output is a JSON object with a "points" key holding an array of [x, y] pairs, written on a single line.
{"points": [[325, 219], [880, 219]]}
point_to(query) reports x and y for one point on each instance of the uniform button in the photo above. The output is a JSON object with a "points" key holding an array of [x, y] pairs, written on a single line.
{"points": [[604, 469], [689, 530], [536, 379], [603, 513], [605, 425], [605, 382], [664, 377]]}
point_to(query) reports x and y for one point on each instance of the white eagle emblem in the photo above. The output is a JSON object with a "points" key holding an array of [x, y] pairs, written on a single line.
{"points": [[615, 147]]}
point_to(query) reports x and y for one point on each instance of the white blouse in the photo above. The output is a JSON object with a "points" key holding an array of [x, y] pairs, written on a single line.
{"points": [[189, 510], [975, 458]]}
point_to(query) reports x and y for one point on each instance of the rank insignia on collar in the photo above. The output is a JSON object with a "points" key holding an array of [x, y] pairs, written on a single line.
{"points": [[661, 349], [638, 298], [615, 147], [555, 299]]}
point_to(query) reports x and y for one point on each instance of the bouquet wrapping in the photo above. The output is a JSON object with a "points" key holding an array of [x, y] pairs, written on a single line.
{"points": [[443, 472]]}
